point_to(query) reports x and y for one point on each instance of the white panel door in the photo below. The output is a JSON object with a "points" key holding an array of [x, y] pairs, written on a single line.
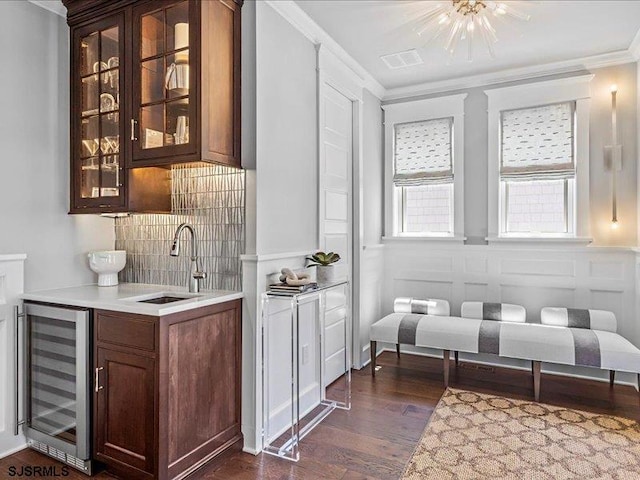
{"points": [[336, 207]]}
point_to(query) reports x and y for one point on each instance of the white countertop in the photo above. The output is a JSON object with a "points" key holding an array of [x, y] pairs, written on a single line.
{"points": [[125, 298]]}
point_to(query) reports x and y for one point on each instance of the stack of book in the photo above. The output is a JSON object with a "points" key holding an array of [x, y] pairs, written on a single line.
{"points": [[284, 289]]}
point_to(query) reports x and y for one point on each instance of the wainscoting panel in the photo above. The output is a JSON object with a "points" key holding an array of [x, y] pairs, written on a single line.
{"points": [[475, 265], [11, 286], [579, 277], [608, 270], [418, 288], [475, 292], [534, 297], [538, 267], [371, 299]]}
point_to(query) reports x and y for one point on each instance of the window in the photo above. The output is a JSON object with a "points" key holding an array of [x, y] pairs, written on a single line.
{"points": [[537, 170], [538, 165], [424, 168], [423, 176]]}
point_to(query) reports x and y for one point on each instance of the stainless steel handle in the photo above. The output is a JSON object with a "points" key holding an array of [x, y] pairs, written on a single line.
{"points": [[133, 129], [96, 380], [16, 376]]}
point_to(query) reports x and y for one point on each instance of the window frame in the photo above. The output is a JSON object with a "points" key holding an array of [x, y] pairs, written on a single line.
{"points": [[572, 89], [401, 221], [450, 106], [570, 217]]}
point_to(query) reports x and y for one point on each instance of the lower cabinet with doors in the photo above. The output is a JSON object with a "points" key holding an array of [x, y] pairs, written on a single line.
{"points": [[167, 390]]}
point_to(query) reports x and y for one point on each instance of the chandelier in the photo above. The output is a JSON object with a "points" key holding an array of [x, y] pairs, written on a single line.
{"points": [[464, 20]]}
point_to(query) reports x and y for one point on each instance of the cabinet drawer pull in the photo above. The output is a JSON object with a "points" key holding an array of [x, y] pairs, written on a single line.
{"points": [[133, 129], [96, 381]]}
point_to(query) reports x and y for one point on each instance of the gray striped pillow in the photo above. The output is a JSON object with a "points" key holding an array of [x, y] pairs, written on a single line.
{"points": [[433, 306], [501, 312], [579, 318]]}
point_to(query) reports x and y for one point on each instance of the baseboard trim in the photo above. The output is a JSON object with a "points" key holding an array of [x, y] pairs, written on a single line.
{"points": [[515, 367], [252, 451], [13, 450]]}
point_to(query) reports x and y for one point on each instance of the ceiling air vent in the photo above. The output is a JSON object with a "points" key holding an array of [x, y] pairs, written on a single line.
{"points": [[408, 58]]}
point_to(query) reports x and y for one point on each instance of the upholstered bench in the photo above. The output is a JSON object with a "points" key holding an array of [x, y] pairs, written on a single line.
{"points": [[564, 336]]}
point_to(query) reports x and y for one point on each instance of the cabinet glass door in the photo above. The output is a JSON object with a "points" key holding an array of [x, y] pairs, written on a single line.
{"points": [[98, 125], [58, 378], [164, 80]]}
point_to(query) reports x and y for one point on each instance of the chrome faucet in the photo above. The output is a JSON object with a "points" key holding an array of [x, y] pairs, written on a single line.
{"points": [[195, 275]]}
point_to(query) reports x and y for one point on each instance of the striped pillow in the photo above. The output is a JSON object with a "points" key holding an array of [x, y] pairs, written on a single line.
{"points": [[501, 312], [432, 306], [579, 318]]}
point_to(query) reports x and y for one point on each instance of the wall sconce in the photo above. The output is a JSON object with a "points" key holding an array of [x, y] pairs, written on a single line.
{"points": [[613, 157]]}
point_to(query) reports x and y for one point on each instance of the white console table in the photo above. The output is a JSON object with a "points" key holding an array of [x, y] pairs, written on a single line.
{"points": [[283, 426]]}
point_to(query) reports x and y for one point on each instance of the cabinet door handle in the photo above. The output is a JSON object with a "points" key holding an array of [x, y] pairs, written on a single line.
{"points": [[133, 129], [96, 380]]}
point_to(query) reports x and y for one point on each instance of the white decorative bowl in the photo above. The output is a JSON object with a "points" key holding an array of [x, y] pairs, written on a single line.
{"points": [[107, 264]]}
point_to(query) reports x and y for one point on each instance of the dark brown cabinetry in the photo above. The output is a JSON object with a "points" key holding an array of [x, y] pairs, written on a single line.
{"points": [[167, 392], [153, 83]]}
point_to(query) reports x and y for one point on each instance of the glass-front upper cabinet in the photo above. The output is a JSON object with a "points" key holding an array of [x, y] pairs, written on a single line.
{"points": [[97, 119], [166, 64]]}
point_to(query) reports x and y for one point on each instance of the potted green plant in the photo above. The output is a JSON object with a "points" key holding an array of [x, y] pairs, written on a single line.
{"points": [[324, 266]]}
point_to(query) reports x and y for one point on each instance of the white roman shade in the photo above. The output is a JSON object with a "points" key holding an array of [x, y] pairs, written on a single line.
{"points": [[423, 153], [538, 142]]}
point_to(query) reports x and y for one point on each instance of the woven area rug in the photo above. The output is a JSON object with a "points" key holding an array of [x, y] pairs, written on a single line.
{"points": [[477, 436]]}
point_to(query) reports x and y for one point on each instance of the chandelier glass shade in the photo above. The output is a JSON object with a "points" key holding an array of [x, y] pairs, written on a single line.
{"points": [[454, 21]]}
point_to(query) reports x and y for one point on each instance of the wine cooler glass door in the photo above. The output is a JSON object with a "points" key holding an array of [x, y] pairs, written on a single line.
{"points": [[57, 393]]}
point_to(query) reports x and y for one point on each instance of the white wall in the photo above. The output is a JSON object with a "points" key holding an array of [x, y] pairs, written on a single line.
{"points": [[476, 145], [34, 168], [283, 190], [286, 136], [373, 173], [279, 92]]}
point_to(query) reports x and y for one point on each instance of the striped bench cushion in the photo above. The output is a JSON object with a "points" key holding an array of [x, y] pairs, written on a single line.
{"points": [[432, 306], [451, 333], [501, 312], [546, 343], [579, 318]]}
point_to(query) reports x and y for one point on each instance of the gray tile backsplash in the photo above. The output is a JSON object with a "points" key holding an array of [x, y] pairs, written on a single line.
{"points": [[211, 198]]}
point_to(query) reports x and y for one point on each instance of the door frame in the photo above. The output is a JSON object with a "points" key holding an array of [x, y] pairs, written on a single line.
{"points": [[333, 73]]}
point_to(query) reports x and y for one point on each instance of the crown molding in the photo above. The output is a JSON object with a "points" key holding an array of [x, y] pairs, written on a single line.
{"points": [[634, 48], [54, 6], [511, 75], [297, 17]]}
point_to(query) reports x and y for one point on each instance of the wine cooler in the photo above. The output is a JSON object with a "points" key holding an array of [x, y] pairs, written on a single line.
{"points": [[57, 400]]}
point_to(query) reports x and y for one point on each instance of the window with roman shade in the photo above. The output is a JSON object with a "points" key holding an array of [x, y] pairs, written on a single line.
{"points": [[537, 169], [538, 142], [423, 153]]}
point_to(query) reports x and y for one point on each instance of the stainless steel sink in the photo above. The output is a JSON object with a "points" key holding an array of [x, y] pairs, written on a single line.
{"points": [[164, 299]]}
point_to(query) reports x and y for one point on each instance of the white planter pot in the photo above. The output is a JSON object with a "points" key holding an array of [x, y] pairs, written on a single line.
{"points": [[325, 274]]}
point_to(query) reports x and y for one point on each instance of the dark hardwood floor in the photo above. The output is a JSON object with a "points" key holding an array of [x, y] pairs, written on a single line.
{"points": [[376, 438]]}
